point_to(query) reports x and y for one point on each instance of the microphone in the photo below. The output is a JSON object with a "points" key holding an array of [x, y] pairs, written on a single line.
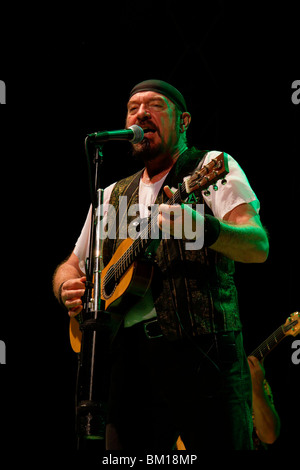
{"points": [[134, 134]]}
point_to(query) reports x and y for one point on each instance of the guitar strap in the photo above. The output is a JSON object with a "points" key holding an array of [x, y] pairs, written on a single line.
{"points": [[132, 185], [186, 165], [129, 192]]}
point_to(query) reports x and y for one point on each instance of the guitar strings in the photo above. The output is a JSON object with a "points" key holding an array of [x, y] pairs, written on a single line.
{"points": [[144, 238], [134, 248], [269, 343]]}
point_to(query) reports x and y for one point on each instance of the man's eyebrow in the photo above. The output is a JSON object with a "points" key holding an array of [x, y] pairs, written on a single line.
{"points": [[157, 98], [132, 102], [154, 98]]}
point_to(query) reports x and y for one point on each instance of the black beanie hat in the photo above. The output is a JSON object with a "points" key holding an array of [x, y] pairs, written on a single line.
{"points": [[163, 88]]}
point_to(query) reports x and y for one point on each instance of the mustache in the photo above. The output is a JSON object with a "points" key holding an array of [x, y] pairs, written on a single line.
{"points": [[147, 125]]}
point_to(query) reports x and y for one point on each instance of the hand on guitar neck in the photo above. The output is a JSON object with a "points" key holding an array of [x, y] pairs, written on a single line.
{"points": [[267, 422], [179, 220], [266, 418]]}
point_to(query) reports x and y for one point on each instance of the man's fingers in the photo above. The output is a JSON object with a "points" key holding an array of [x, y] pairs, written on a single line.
{"points": [[73, 288], [166, 209], [70, 294], [74, 302], [74, 284], [75, 311], [168, 191]]}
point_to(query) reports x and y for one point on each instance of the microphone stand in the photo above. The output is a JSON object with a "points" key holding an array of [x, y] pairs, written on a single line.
{"points": [[93, 365]]}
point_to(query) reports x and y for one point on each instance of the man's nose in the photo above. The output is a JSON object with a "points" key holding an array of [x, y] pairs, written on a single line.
{"points": [[143, 113]]}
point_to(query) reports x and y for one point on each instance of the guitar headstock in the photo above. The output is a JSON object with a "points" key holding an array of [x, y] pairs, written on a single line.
{"points": [[292, 324], [209, 174]]}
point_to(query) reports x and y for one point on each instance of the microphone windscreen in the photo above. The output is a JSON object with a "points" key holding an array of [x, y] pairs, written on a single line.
{"points": [[138, 134]]}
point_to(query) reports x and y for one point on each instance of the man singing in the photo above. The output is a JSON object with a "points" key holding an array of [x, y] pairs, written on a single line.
{"points": [[181, 343]]}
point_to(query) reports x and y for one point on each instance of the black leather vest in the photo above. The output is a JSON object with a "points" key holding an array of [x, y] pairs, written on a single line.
{"points": [[193, 290]]}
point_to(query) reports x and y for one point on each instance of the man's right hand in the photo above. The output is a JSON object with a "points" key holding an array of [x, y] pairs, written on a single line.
{"points": [[71, 293]]}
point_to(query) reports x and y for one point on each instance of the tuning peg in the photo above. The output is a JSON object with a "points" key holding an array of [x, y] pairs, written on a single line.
{"points": [[206, 192], [215, 187], [224, 181]]}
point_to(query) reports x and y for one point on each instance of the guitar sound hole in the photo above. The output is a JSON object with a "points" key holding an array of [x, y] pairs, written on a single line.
{"points": [[109, 282]]}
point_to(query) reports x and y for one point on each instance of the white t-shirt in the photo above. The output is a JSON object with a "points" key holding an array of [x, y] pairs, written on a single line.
{"points": [[236, 191]]}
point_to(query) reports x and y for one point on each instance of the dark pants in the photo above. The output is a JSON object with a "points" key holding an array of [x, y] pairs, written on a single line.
{"points": [[161, 389]]}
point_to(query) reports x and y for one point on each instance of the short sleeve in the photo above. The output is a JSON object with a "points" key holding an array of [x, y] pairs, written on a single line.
{"points": [[236, 191], [81, 249]]}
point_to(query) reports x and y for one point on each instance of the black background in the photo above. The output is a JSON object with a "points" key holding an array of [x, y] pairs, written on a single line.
{"points": [[68, 72]]}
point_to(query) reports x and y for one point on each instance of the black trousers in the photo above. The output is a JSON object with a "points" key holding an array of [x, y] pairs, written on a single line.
{"points": [[200, 390]]}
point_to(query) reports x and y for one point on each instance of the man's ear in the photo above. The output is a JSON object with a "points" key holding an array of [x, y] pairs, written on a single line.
{"points": [[185, 120]]}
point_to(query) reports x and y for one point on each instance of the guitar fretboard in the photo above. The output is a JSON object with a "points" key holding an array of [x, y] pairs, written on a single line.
{"points": [[269, 344], [146, 235]]}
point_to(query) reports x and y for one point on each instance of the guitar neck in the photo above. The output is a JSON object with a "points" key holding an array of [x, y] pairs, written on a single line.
{"points": [[272, 341], [269, 344], [147, 233]]}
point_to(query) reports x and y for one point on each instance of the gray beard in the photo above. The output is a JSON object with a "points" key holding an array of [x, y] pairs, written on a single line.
{"points": [[145, 152]]}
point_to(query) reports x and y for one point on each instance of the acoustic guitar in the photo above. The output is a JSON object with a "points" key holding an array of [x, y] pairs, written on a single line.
{"points": [[290, 327], [127, 275]]}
